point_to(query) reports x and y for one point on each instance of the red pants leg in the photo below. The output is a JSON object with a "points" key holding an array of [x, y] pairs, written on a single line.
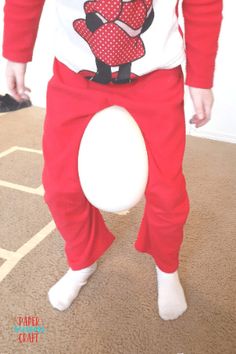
{"points": [[159, 111], [70, 106], [156, 103]]}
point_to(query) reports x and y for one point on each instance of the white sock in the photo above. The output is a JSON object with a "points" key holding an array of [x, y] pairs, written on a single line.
{"points": [[171, 298], [62, 294]]}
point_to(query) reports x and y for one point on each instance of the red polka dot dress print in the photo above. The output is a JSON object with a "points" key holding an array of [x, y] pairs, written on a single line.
{"points": [[112, 29]]}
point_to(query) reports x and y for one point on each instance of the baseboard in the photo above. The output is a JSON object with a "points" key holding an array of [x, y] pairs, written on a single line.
{"points": [[213, 135]]}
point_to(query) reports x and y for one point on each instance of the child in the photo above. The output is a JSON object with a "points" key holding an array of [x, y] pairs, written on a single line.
{"points": [[127, 53]]}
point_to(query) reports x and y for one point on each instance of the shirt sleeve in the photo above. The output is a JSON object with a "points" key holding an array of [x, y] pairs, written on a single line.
{"points": [[202, 22], [21, 20]]}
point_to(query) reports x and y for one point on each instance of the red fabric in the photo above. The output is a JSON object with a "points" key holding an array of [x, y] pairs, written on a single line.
{"points": [[120, 10], [202, 25], [21, 20], [120, 48], [156, 103]]}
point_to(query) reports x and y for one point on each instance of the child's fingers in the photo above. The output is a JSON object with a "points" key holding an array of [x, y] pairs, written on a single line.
{"points": [[24, 95], [193, 120], [200, 117], [20, 82], [12, 86], [208, 108], [202, 122], [202, 100], [15, 76], [197, 121], [199, 108]]}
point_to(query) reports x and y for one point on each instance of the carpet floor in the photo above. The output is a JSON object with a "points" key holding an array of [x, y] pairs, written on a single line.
{"points": [[116, 312]]}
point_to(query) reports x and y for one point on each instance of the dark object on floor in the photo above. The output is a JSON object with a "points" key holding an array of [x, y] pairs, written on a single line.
{"points": [[9, 104]]}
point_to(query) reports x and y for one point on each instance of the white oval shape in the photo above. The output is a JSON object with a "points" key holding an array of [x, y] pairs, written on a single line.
{"points": [[113, 161]]}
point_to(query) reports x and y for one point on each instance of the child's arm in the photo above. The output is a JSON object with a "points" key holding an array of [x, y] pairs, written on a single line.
{"points": [[21, 20], [202, 20]]}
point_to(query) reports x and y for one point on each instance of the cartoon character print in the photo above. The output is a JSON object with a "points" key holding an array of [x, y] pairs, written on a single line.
{"points": [[112, 29]]}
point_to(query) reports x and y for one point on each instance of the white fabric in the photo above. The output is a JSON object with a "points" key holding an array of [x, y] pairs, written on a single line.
{"points": [[163, 42], [67, 288], [171, 297]]}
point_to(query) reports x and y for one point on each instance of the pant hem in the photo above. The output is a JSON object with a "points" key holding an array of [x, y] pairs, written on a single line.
{"points": [[160, 265], [79, 266]]}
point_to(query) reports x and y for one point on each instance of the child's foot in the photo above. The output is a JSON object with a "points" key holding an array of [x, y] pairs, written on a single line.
{"points": [[62, 294], [171, 298]]}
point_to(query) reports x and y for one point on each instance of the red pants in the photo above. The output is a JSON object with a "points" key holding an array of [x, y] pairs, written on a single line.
{"points": [[155, 101]]}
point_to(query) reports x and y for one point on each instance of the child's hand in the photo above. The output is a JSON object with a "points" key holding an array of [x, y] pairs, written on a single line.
{"points": [[202, 101], [15, 75]]}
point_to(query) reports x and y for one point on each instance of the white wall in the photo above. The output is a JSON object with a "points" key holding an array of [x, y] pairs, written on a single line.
{"points": [[223, 123]]}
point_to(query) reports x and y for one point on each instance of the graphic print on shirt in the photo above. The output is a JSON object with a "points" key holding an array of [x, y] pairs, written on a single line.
{"points": [[112, 29]]}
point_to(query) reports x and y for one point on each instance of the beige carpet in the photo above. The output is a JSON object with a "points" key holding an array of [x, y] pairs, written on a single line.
{"points": [[116, 312]]}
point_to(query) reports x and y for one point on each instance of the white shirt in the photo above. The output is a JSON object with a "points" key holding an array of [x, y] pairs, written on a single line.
{"points": [[163, 42]]}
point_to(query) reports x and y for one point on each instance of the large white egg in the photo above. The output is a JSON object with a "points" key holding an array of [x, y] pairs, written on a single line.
{"points": [[113, 161]]}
